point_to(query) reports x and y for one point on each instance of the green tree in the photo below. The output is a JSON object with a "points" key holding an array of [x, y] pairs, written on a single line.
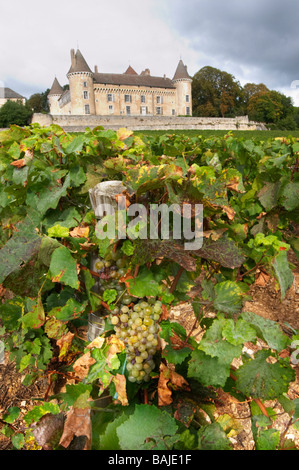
{"points": [[14, 112], [216, 93], [38, 102]]}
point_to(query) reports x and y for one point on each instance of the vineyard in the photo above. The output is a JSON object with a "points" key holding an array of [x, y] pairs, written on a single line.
{"points": [[182, 360]]}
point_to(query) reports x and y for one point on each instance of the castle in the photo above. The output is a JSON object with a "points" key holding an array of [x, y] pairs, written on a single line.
{"points": [[127, 94]]}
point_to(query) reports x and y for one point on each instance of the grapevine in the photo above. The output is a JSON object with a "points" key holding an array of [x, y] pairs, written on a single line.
{"points": [[145, 382]]}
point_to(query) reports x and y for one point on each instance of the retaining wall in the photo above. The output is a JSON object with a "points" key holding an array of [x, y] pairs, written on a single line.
{"points": [[79, 123]]}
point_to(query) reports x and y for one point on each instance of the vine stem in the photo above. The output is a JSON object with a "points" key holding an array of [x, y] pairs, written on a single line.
{"points": [[176, 279]]}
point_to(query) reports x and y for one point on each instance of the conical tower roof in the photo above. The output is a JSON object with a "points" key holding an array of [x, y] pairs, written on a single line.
{"points": [[79, 64], [181, 72], [56, 88]]}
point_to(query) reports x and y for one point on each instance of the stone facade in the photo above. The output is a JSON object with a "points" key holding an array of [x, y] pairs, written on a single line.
{"points": [[71, 123], [128, 94]]}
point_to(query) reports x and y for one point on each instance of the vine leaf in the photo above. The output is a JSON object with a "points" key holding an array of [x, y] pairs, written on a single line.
{"points": [[224, 251], [268, 330], [158, 427], [283, 272], [119, 381], [63, 267], [209, 371], [213, 437], [169, 379], [77, 424], [214, 345], [259, 378], [229, 297]]}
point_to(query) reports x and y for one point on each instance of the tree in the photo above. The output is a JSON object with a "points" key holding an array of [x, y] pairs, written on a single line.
{"points": [[14, 112], [38, 102], [216, 93]]}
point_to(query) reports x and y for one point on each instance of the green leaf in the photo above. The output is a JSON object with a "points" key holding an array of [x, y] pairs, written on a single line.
{"points": [[57, 231], [110, 441], [71, 310], [268, 330], [40, 410], [209, 371], [238, 332], [63, 268], [100, 370], [36, 317], [128, 248], [47, 197], [74, 391], [259, 378], [268, 439], [11, 415], [109, 295], [229, 297], [147, 423], [212, 437], [214, 345], [283, 272], [20, 248], [289, 196], [18, 440], [145, 284]]}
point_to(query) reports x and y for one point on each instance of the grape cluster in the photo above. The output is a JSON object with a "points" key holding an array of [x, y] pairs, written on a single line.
{"points": [[111, 270], [137, 326]]}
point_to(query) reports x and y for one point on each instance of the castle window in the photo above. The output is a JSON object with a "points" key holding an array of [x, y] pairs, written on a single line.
{"points": [[128, 99], [188, 111], [159, 110], [142, 97], [159, 99], [187, 98], [85, 95], [173, 112], [86, 109], [110, 107], [85, 84], [110, 97], [128, 109]]}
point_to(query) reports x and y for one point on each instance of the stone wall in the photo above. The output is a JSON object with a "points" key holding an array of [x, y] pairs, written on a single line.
{"points": [[72, 123]]}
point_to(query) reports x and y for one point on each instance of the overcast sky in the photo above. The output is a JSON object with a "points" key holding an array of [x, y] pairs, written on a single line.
{"points": [[254, 40]]}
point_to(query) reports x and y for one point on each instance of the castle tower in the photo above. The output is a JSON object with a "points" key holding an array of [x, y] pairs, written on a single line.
{"points": [[54, 96], [81, 85], [182, 82]]}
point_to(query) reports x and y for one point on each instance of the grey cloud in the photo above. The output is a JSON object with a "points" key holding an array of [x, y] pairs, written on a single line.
{"points": [[258, 34]]}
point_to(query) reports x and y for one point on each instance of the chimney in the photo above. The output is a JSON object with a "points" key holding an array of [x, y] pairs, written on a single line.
{"points": [[96, 69], [145, 72], [73, 57]]}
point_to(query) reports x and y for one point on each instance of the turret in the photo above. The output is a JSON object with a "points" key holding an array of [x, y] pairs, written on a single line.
{"points": [[182, 81], [54, 96], [81, 85]]}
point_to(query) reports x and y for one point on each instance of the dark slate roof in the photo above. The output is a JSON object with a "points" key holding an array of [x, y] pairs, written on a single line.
{"points": [[132, 79], [80, 64], [9, 93], [56, 88], [181, 71]]}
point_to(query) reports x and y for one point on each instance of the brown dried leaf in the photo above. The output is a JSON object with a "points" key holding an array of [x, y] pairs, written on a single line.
{"points": [[262, 278], [64, 344], [168, 377], [120, 387], [19, 163], [79, 232], [78, 424], [82, 365]]}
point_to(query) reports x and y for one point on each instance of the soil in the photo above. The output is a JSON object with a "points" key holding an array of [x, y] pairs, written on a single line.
{"points": [[265, 301]]}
